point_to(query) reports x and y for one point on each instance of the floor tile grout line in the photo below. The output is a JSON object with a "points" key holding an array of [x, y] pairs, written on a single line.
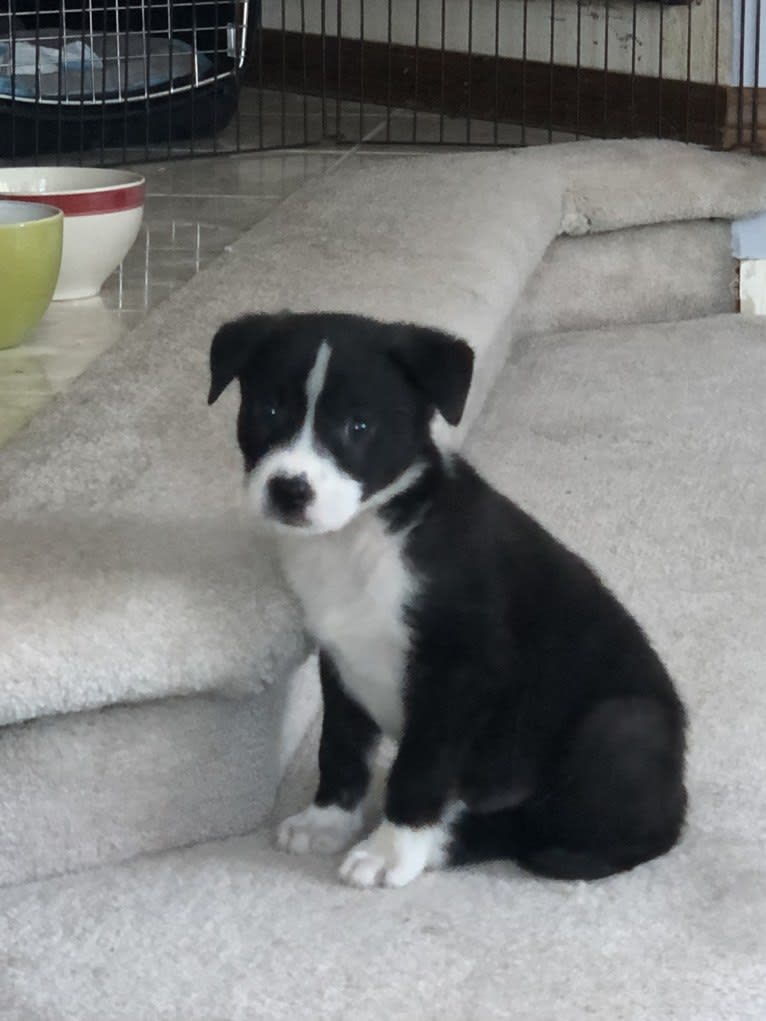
{"points": [[351, 152]]}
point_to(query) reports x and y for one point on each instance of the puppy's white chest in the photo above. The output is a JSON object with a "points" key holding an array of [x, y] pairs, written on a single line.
{"points": [[354, 586]]}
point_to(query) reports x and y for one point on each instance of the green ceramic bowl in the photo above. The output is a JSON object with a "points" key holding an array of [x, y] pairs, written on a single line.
{"points": [[30, 257]]}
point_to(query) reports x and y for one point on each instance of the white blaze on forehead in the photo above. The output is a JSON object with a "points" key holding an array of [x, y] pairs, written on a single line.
{"points": [[337, 496], [314, 387]]}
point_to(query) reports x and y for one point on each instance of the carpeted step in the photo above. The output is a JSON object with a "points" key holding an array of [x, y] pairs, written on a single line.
{"points": [[642, 447], [659, 273], [126, 576], [90, 788], [127, 482], [107, 784]]}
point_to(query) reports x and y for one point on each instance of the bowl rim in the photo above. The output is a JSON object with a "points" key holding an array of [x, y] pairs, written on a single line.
{"points": [[29, 208], [131, 180]]}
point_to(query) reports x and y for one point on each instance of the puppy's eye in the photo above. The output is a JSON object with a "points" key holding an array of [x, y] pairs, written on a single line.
{"points": [[268, 409], [356, 428]]}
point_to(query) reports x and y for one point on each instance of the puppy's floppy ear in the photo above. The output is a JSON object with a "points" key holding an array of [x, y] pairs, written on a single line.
{"points": [[233, 347], [439, 365]]}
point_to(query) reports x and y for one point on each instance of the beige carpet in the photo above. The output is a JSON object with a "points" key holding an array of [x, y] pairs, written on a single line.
{"points": [[644, 448], [133, 603], [125, 482]]}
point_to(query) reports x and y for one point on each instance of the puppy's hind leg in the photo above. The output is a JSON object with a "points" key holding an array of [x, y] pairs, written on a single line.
{"points": [[612, 798], [616, 796]]}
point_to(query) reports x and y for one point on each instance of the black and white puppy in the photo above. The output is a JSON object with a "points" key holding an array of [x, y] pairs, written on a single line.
{"points": [[533, 719]]}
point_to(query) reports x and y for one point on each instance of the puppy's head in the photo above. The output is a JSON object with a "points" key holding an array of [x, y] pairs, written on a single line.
{"points": [[335, 409]]}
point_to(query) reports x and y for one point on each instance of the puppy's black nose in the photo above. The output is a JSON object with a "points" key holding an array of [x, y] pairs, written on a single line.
{"points": [[290, 494]]}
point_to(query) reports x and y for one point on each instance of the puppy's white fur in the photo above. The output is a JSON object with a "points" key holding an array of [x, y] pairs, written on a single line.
{"points": [[354, 586], [394, 855], [322, 830]]}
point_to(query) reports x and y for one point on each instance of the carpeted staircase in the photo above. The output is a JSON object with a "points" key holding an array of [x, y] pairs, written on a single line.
{"points": [[148, 651]]}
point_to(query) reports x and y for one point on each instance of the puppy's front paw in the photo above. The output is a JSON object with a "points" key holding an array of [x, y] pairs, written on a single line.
{"points": [[322, 830], [390, 856]]}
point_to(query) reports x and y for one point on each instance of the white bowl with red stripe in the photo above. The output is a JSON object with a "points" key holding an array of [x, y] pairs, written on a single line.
{"points": [[102, 210]]}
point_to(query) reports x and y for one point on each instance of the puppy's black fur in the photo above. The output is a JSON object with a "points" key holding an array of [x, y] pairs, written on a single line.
{"points": [[530, 694], [565, 728]]}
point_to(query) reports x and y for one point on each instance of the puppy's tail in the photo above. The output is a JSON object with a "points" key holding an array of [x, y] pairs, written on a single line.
{"points": [[510, 834]]}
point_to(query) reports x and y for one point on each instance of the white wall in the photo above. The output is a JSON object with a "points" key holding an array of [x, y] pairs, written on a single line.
{"points": [[748, 237], [602, 23]]}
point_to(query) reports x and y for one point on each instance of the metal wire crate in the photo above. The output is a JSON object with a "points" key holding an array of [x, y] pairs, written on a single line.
{"points": [[75, 74]]}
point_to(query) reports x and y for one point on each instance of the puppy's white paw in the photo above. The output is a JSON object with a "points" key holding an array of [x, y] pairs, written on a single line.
{"points": [[392, 856], [322, 830]]}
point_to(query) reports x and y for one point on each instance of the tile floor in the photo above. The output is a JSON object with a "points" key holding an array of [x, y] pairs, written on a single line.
{"points": [[275, 120], [194, 208]]}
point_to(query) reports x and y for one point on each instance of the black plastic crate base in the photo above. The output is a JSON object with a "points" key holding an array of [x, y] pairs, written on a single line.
{"points": [[28, 130]]}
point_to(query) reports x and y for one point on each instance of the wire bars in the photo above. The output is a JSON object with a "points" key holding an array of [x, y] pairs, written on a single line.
{"points": [[113, 80]]}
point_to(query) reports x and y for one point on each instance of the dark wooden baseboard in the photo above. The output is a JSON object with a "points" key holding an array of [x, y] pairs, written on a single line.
{"points": [[599, 103], [745, 122]]}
